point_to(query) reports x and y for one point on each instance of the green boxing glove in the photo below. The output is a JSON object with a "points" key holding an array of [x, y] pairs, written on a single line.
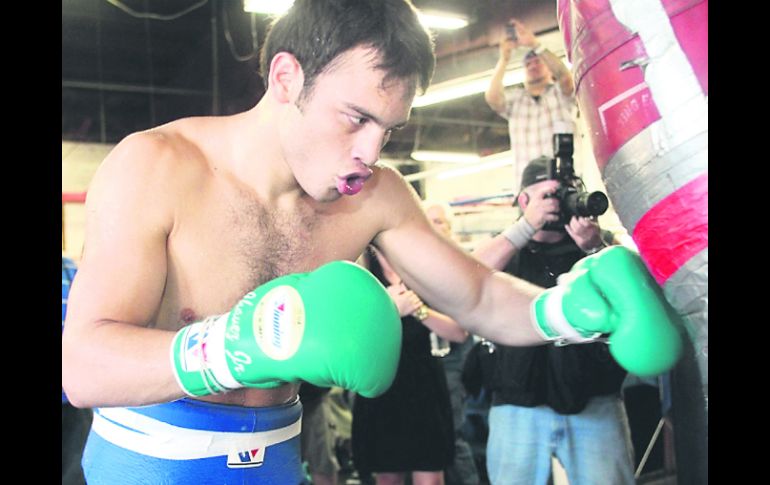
{"points": [[612, 292], [335, 326]]}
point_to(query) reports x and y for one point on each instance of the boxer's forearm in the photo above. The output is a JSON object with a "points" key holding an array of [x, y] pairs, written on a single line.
{"points": [[117, 364], [502, 314]]}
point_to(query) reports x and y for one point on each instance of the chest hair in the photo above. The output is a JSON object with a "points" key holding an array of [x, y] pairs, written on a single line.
{"points": [[272, 242]]}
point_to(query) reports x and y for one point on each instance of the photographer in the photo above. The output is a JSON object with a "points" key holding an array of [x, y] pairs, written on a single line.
{"points": [[553, 400]]}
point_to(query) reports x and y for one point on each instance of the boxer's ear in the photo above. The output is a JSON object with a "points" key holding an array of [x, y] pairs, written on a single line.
{"points": [[286, 78]]}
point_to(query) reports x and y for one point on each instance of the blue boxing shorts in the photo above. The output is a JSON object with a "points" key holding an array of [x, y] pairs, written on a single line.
{"points": [[195, 442]]}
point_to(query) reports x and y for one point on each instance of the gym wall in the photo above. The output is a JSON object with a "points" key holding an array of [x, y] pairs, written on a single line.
{"points": [[79, 162]]}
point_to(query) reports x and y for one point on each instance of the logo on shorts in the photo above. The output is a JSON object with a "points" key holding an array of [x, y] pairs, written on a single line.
{"points": [[246, 458]]}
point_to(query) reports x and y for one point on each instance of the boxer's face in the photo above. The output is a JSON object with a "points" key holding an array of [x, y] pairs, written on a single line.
{"points": [[335, 132]]}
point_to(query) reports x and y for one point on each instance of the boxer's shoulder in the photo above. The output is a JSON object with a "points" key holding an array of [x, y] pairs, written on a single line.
{"points": [[167, 160], [394, 199], [152, 156]]}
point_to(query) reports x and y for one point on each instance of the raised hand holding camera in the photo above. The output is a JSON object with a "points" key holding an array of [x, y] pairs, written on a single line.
{"points": [[542, 207], [586, 233], [510, 32], [521, 34]]}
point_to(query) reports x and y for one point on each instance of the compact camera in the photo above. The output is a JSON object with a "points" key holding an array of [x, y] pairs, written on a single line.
{"points": [[510, 32], [574, 200]]}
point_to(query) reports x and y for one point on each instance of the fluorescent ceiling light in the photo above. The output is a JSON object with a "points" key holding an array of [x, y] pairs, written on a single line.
{"points": [[432, 19], [459, 172], [272, 7], [464, 86], [469, 85], [448, 157], [443, 21], [437, 93], [489, 162]]}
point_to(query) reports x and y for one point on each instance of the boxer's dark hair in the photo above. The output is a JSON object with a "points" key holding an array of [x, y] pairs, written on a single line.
{"points": [[317, 31]]}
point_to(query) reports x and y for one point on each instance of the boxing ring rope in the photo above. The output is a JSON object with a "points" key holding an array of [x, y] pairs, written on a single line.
{"points": [[476, 200], [69, 198], [73, 198]]}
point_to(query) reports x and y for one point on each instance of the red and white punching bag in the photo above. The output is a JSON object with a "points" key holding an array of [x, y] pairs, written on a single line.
{"points": [[641, 75]]}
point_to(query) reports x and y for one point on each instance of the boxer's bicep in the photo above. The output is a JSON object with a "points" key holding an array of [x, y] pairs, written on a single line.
{"points": [[106, 355], [436, 268], [123, 264]]}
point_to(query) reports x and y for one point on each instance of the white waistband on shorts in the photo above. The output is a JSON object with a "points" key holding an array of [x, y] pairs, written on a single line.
{"points": [[148, 436]]}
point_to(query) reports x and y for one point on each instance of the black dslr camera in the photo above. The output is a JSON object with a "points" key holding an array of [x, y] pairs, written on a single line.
{"points": [[573, 198]]}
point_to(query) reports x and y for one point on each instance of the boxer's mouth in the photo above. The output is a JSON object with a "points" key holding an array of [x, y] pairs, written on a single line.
{"points": [[353, 183]]}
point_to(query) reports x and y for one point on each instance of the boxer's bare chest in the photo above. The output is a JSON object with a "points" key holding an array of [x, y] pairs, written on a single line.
{"points": [[223, 249]]}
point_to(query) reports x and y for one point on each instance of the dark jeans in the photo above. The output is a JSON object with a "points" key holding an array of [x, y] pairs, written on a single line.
{"points": [[463, 470], [75, 424]]}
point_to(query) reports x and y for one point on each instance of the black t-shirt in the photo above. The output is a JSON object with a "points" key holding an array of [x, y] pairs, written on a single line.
{"points": [[309, 392], [564, 378]]}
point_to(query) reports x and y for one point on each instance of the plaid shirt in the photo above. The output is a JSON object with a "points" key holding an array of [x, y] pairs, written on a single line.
{"points": [[68, 270], [531, 124]]}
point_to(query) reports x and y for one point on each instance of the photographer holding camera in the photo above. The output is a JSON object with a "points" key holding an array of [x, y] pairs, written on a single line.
{"points": [[552, 400]]}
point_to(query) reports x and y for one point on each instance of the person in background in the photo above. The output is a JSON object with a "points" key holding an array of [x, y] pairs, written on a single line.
{"points": [[561, 401], [75, 422], [543, 106], [318, 438], [408, 429], [462, 471]]}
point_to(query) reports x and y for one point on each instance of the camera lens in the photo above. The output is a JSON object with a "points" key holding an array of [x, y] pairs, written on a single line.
{"points": [[593, 204], [585, 204]]}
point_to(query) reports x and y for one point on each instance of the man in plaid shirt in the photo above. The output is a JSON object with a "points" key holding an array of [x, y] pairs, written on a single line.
{"points": [[539, 109]]}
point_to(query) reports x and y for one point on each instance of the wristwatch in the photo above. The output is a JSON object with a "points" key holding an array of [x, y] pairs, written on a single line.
{"points": [[421, 313], [596, 249]]}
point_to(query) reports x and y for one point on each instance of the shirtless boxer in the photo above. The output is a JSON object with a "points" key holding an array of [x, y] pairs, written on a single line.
{"points": [[185, 219]]}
